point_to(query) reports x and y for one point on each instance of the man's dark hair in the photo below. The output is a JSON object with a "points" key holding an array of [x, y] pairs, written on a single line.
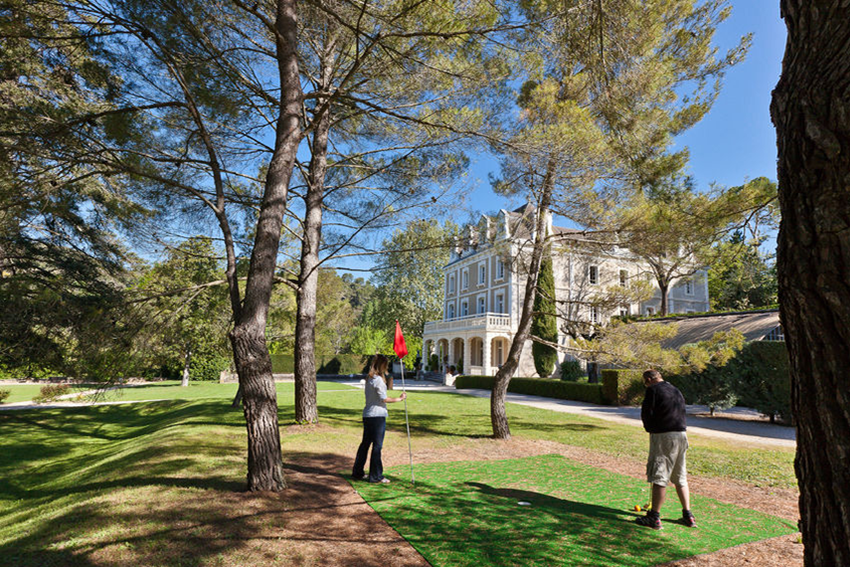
{"points": [[652, 375]]}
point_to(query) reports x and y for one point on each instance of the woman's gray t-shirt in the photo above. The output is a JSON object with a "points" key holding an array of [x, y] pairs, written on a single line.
{"points": [[376, 393]]}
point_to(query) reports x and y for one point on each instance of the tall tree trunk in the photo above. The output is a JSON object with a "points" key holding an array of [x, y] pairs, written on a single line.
{"points": [[186, 362], [498, 416], [306, 406], [811, 112], [250, 353], [664, 286]]}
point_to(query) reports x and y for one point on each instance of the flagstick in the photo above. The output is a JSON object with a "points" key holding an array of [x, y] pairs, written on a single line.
{"points": [[407, 423]]}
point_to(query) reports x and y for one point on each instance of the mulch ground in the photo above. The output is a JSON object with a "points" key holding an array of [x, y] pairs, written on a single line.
{"points": [[328, 523]]}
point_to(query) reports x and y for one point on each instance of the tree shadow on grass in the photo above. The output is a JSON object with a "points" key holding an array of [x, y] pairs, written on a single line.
{"points": [[485, 525]]}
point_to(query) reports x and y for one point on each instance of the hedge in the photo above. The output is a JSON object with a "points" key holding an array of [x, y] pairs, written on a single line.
{"points": [[762, 378], [325, 364], [622, 387], [548, 388]]}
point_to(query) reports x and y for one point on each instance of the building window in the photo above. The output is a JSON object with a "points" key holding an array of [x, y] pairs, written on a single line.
{"points": [[689, 287], [624, 277], [482, 274], [464, 279], [500, 269], [500, 303], [482, 305], [464, 308], [594, 314], [451, 283], [451, 311], [593, 274], [624, 311]]}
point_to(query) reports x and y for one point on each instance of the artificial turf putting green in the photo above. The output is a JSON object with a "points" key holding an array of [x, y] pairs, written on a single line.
{"points": [[467, 513]]}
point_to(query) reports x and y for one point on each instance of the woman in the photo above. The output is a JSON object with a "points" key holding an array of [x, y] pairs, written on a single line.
{"points": [[374, 422]]}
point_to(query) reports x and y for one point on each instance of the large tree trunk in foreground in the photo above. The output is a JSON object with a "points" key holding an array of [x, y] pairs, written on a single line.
{"points": [[259, 402], [498, 416], [250, 353], [811, 111]]}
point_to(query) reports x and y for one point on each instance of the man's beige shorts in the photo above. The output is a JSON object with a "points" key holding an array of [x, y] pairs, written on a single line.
{"points": [[667, 458]]}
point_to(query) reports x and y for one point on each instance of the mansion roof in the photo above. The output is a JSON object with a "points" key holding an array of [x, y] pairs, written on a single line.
{"points": [[755, 326]]}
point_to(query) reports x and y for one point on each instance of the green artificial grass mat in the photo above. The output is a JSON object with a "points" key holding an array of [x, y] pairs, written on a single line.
{"points": [[468, 513]]}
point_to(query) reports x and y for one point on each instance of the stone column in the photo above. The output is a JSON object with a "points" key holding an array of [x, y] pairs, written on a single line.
{"points": [[467, 356], [488, 369]]}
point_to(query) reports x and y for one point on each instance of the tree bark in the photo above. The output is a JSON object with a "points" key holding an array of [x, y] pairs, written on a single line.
{"points": [[250, 353], [186, 362], [306, 406], [811, 112], [498, 416]]}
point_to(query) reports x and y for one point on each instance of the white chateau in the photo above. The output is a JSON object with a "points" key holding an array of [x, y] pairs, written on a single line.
{"points": [[484, 289]]}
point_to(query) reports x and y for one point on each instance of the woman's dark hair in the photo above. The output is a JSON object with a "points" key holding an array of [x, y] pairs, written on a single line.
{"points": [[379, 365]]}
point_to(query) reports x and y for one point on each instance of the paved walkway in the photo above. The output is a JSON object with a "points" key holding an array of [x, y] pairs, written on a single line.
{"points": [[736, 424]]}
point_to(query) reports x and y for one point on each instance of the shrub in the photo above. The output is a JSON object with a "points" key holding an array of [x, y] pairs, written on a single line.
{"points": [[208, 366], [342, 364], [433, 363], [4, 394], [571, 370], [591, 393], [622, 387], [51, 393], [762, 378], [283, 363], [713, 387]]}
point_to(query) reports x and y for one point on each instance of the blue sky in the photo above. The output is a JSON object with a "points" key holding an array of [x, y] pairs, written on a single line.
{"points": [[736, 141]]}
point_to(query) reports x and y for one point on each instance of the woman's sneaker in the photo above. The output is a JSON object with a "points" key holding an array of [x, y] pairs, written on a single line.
{"points": [[688, 519], [651, 520]]}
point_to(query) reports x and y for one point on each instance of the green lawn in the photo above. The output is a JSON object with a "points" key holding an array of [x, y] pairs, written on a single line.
{"points": [[169, 390], [154, 483], [172, 390], [469, 514], [26, 392]]}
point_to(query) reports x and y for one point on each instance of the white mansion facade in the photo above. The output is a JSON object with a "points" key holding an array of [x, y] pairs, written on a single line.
{"points": [[483, 291]]}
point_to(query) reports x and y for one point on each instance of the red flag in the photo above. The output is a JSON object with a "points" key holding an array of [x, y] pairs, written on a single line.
{"points": [[398, 343]]}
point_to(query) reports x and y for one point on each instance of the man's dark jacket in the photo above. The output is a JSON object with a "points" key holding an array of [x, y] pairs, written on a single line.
{"points": [[663, 409]]}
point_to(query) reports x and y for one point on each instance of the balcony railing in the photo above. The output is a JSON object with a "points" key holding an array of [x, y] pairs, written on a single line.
{"points": [[491, 321]]}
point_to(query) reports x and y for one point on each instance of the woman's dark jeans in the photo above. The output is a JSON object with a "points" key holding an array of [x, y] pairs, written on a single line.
{"points": [[373, 434]]}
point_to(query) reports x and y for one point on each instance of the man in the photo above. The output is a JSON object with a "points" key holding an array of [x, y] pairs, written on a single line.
{"points": [[663, 416]]}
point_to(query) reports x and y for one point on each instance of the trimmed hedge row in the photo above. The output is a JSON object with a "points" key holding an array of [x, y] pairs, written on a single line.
{"points": [[759, 377], [623, 387], [325, 364], [558, 389]]}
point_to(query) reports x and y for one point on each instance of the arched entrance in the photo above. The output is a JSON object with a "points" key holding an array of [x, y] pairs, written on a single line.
{"points": [[498, 351], [457, 354], [476, 351]]}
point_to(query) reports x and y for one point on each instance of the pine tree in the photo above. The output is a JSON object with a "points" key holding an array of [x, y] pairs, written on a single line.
{"points": [[544, 325]]}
